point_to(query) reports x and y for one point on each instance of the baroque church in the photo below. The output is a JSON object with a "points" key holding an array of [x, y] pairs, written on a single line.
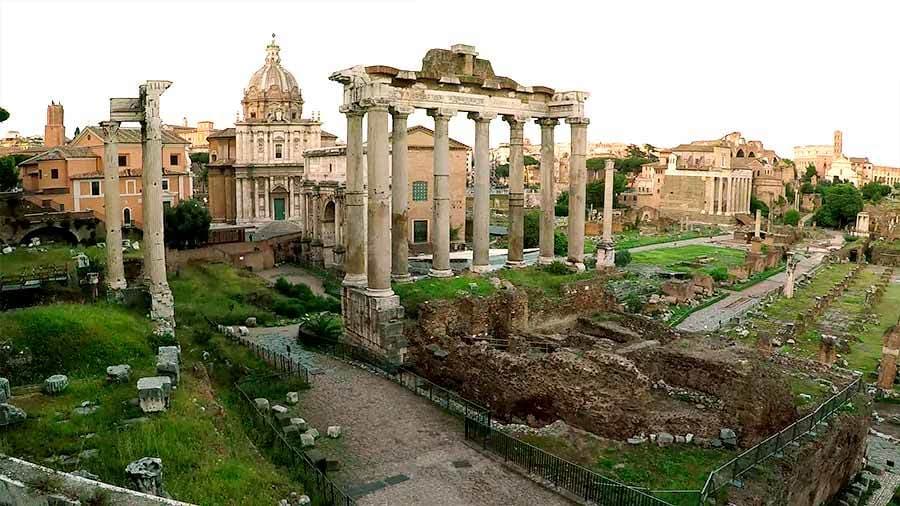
{"points": [[256, 168]]}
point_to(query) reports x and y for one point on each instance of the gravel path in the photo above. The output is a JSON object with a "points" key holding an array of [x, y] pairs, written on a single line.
{"points": [[398, 448]]}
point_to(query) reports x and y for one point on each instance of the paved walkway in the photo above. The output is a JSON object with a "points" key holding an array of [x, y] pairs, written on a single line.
{"points": [[396, 447], [879, 451], [736, 304], [676, 244]]}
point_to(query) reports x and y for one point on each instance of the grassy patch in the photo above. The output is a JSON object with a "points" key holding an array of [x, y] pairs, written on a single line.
{"points": [[634, 239], [687, 258], [866, 353], [27, 260], [544, 281], [414, 294]]}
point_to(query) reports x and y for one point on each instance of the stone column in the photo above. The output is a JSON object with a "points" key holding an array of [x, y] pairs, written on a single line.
{"points": [[789, 276], [757, 225], [721, 201], [162, 307], [399, 194], [115, 269], [548, 197], [379, 204], [515, 256], [889, 352], [354, 200], [481, 215], [732, 191], [710, 194], [577, 182], [606, 253], [289, 212], [440, 226]]}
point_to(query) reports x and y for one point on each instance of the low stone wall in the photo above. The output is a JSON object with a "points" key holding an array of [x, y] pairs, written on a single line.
{"points": [[18, 479], [884, 255], [254, 256]]}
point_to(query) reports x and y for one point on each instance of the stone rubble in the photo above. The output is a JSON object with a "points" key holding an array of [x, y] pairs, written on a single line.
{"points": [[118, 373], [292, 398], [11, 415], [145, 476], [56, 384], [154, 393], [5, 392], [334, 431], [168, 363]]}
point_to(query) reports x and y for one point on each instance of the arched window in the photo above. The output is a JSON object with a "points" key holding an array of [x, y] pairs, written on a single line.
{"points": [[740, 153], [751, 155], [419, 191], [126, 217]]}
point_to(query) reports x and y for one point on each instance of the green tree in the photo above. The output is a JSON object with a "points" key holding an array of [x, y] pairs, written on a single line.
{"points": [[622, 258], [530, 160], [202, 158], [9, 174], [562, 204], [595, 191], [755, 204], [596, 163], [810, 172], [840, 204], [807, 188], [532, 229], [875, 191], [4, 115], [187, 224], [560, 242], [792, 217], [501, 170], [789, 192]]}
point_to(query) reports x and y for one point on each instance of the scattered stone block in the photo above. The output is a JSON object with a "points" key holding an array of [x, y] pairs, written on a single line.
{"points": [[728, 437], [168, 362], [304, 500], [262, 404], [145, 476], [279, 409], [636, 440], [154, 393], [679, 439], [307, 441], [715, 443], [300, 423], [86, 408], [243, 331], [334, 431], [251, 321], [292, 430], [118, 373], [688, 438], [56, 384], [5, 393], [664, 439], [11, 415], [292, 398], [314, 433]]}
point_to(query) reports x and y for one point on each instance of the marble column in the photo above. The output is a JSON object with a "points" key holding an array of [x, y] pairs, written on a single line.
{"points": [[115, 269], [732, 192], [440, 225], [606, 253], [548, 197], [379, 204], [721, 199], [515, 256], [789, 276], [710, 194], [354, 200], [577, 189], [400, 194], [162, 306], [481, 215], [289, 212], [756, 228]]}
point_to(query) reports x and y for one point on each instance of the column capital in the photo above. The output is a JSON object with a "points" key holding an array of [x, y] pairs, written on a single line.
{"points": [[479, 117], [610, 164], [375, 104], [578, 121], [110, 130], [516, 120], [547, 122], [442, 113], [352, 110], [402, 110]]}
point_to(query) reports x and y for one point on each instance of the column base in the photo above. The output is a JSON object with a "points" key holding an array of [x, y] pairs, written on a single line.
{"points": [[355, 280], [375, 323], [578, 266], [546, 260], [440, 273], [379, 292], [115, 286], [515, 264], [606, 256], [401, 278], [480, 269]]}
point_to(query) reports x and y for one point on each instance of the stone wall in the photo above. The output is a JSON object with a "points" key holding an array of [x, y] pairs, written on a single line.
{"points": [[255, 256]]}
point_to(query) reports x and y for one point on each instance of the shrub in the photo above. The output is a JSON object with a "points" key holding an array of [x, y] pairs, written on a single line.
{"points": [[622, 258], [557, 268], [792, 217], [719, 273], [322, 325], [560, 242]]}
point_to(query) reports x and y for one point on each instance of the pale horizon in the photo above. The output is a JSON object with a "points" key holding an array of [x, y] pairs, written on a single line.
{"points": [[787, 74]]}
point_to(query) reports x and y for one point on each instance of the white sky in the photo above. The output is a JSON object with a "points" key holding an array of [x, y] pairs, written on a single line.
{"points": [[786, 72]]}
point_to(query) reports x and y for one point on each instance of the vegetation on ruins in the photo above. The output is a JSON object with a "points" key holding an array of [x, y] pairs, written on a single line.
{"points": [[840, 205], [300, 300], [414, 294], [791, 217], [187, 224], [691, 258], [9, 173], [873, 192], [755, 204], [594, 192], [633, 238]]}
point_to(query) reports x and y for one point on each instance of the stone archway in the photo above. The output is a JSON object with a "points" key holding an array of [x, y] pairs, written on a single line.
{"points": [[50, 234]]}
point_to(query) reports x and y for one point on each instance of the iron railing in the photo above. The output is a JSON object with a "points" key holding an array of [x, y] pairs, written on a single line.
{"points": [[279, 361], [321, 490], [735, 468]]}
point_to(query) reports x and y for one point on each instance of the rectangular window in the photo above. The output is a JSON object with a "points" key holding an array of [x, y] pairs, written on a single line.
{"points": [[278, 150], [173, 160], [130, 187], [165, 185], [123, 161], [166, 204], [95, 188], [62, 207], [54, 173], [419, 191], [420, 231]]}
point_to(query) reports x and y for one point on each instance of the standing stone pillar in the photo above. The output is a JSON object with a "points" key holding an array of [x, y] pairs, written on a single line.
{"points": [[115, 269], [721, 200], [789, 276], [515, 255], [440, 229], [399, 194], [710, 194], [577, 189], [162, 307], [548, 196], [757, 224], [606, 253], [481, 215], [379, 204], [732, 194], [889, 352], [354, 199]]}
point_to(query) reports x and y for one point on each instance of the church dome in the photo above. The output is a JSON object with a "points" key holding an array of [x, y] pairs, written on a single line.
{"points": [[272, 93]]}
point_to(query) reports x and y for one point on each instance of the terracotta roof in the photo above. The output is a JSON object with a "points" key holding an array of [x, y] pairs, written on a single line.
{"points": [[61, 153], [420, 128], [126, 173], [328, 134], [132, 135], [224, 133]]}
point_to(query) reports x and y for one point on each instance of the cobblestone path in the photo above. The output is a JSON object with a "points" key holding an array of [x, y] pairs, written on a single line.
{"points": [[879, 452], [398, 448]]}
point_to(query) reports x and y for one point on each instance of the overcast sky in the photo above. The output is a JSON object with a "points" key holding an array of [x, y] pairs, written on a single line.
{"points": [[663, 72]]}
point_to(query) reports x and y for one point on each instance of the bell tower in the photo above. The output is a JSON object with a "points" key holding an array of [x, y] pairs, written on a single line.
{"points": [[55, 129], [838, 143]]}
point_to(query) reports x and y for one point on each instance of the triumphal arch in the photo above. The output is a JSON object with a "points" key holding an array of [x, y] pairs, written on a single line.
{"points": [[449, 82]]}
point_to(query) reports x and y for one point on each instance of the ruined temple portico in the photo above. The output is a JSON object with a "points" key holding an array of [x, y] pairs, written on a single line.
{"points": [[450, 82]]}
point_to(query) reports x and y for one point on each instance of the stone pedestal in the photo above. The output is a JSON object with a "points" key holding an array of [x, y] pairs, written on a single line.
{"points": [[374, 322], [145, 476], [606, 255], [887, 371], [154, 393]]}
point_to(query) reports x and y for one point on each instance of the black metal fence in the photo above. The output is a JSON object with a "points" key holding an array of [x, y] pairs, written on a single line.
{"points": [[320, 489], [736, 467], [279, 361]]}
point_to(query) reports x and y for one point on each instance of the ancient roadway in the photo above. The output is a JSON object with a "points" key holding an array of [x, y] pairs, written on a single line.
{"points": [[714, 316]]}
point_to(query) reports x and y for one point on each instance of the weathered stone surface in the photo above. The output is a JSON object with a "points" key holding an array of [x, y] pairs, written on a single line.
{"points": [[262, 404], [307, 441], [86, 408], [292, 398], [303, 500], [146, 475], [728, 437], [251, 321], [168, 363], [118, 373], [154, 393], [301, 423], [334, 431], [637, 440], [56, 384], [85, 474], [313, 433], [664, 439], [243, 331], [11, 415], [5, 393], [279, 409]]}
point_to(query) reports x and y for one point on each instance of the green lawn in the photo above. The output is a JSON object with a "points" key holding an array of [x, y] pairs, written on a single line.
{"points": [[633, 238], [685, 258], [415, 293], [864, 355], [26, 260], [546, 281]]}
